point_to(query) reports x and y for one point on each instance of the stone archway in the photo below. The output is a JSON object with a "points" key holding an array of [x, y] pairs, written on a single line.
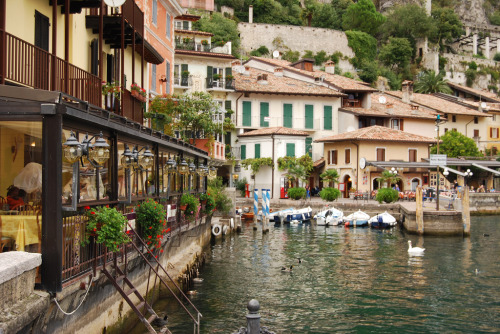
{"points": [[415, 182], [347, 180]]}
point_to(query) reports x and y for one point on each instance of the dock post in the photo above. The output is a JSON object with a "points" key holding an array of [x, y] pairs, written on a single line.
{"points": [[253, 317], [255, 207], [419, 210], [466, 211]]}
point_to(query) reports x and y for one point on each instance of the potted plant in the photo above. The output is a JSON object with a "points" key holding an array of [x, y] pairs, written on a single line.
{"points": [[138, 92], [229, 77], [217, 76], [152, 220], [185, 74], [107, 225], [111, 91], [208, 201], [186, 40], [352, 191], [204, 42], [191, 204]]}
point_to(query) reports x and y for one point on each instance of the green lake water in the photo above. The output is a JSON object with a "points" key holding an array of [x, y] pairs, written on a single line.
{"points": [[350, 281]]}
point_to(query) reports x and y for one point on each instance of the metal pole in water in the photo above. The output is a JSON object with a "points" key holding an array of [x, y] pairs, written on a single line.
{"points": [[253, 317]]}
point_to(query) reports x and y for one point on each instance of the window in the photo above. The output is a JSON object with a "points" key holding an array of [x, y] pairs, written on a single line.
{"points": [[287, 115], [445, 130], [476, 133], [169, 23], [155, 12], [327, 114], [257, 151], [454, 118], [264, 114], [243, 154], [309, 116], [94, 57], [247, 113], [290, 149], [332, 157], [397, 124], [347, 155], [476, 120], [494, 132], [153, 77], [412, 155], [42, 31], [380, 154], [309, 146], [185, 25]]}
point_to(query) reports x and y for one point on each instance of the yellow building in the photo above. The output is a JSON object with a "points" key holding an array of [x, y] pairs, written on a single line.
{"points": [[358, 156]]}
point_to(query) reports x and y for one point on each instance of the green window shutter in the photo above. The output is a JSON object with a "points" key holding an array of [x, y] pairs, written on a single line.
{"points": [[228, 71], [184, 68], [309, 124], [227, 104], [290, 150], [309, 146], [264, 112], [243, 153], [328, 117], [210, 73], [257, 151], [247, 113], [185, 25], [287, 115]]}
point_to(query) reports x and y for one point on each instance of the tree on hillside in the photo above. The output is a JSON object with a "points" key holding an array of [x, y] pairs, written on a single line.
{"points": [[224, 30], [448, 26], [397, 52], [428, 82], [454, 144], [363, 16], [308, 11], [409, 21], [363, 45]]}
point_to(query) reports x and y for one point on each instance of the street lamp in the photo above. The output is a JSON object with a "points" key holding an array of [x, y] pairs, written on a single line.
{"points": [[468, 174], [439, 121], [97, 154]]}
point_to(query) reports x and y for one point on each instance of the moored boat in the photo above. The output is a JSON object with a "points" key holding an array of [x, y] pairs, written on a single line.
{"points": [[357, 219], [329, 217], [382, 220], [300, 215], [279, 216]]}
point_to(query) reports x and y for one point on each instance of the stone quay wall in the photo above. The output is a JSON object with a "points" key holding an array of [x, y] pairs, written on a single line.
{"points": [[484, 203]]}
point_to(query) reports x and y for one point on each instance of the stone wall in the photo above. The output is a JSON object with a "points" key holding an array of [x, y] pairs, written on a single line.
{"points": [[457, 65], [484, 203], [254, 35], [446, 223]]}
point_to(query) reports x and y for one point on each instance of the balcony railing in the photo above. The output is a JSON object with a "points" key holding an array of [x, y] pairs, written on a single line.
{"points": [[183, 81], [351, 103], [34, 67], [192, 46], [220, 84]]}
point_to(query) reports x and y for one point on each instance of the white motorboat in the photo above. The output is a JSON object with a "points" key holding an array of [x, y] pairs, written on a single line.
{"points": [[329, 217], [357, 219], [382, 220], [279, 216], [299, 215]]}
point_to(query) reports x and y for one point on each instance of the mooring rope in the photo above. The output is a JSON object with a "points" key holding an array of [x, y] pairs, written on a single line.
{"points": [[84, 297]]}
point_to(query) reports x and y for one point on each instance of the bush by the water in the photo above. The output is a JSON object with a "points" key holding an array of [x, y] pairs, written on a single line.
{"points": [[297, 193], [387, 195], [329, 194]]}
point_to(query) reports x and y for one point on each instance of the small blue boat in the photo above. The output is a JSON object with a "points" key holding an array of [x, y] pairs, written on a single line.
{"points": [[299, 215], [382, 220], [279, 216], [356, 219]]}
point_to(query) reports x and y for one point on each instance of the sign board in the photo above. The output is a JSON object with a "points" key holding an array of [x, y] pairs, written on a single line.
{"points": [[267, 119], [437, 160], [342, 186]]}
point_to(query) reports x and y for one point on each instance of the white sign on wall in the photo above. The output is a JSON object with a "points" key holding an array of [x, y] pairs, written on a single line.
{"points": [[437, 160]]}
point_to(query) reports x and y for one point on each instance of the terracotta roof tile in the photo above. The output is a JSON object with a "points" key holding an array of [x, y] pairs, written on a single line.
{"points": [[338, 81], [392, 108], [203, 54], [476, 92], [280, 85], [319, 163], [377, 133], [193, 32], [439, 104], [274, 131]]}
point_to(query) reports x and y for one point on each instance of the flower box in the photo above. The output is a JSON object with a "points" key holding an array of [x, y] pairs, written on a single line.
{"points": [[138, 96]]}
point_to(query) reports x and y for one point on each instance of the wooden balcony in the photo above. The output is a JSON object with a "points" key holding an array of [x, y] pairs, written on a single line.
{"points": [[351, 103]]}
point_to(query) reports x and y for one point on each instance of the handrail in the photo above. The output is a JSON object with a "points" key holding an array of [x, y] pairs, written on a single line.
{"points": [[196, 321]]}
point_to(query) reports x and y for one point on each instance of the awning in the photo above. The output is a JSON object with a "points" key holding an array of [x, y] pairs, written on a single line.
{"points": [[486, 169], [150, 54]]}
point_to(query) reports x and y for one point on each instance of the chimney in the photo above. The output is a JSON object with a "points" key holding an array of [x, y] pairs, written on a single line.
{"points": [[247, 70], [330, 67], [250, 14], [278, 71], [262, 79], [407, 88], [235, 63], [414, 109]]}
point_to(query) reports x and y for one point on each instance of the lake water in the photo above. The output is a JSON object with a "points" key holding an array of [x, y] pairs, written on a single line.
{"points": [[350, 281]]}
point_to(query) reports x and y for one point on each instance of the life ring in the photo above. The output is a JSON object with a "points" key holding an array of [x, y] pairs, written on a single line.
{"points": [[216, 230]]}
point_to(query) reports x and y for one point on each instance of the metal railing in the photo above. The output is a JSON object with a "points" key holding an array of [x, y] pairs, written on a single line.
{"points": [[220, 83], [34, 67]]}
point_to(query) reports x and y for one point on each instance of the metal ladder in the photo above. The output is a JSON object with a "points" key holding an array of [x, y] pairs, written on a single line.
{"points": [[147, 315]]}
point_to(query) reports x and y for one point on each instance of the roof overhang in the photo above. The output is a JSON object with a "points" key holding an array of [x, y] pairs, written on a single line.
{"points": [[150, 54]]}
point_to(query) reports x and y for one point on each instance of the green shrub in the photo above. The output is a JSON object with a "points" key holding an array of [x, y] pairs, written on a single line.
{"points": [[387, 195], [261, 51], [209, 203], [470, 76], [223, 203], [240, 185], [473, 65], [297, 193], [329, 194], [107, 225], [496, 57], [192, 204]]}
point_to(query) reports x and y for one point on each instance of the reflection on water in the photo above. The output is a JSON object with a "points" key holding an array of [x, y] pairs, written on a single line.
{"points": [[350, 280]]}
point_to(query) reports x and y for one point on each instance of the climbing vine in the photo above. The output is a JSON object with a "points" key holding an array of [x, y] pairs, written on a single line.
{"points": [[305, 161], [256, 163]]}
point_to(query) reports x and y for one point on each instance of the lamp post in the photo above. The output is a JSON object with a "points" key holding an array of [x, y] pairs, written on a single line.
{"points": [[439, 121], [468, 174]]}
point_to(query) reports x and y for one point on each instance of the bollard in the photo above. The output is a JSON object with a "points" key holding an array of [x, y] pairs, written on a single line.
{"points": [[253, 317]]}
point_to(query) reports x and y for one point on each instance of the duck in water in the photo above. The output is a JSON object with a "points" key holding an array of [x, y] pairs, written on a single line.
{"points": [[285, 269]]}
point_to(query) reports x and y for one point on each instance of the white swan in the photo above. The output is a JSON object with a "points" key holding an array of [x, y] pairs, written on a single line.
{"points": [[415, 250]]}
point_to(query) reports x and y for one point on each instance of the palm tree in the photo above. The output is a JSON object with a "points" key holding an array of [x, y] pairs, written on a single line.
{"points": [[389, 178], [297, 173], [428, 82], [330, 176]]}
